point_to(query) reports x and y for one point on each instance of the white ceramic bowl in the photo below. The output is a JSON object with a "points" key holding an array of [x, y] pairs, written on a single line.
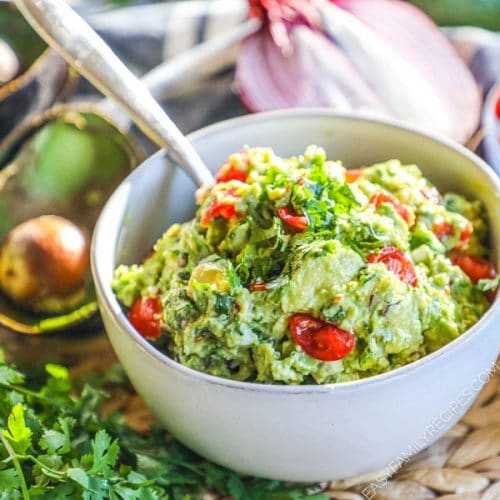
{"points": [[301, 433]]}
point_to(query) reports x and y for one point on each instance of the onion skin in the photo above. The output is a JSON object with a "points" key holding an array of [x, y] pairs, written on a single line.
{"points": [[413, 34], [43, 257], [384, 58], [291, 82]]}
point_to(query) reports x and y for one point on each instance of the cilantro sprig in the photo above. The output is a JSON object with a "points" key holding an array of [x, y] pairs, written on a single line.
{"points": [[56, 445]]}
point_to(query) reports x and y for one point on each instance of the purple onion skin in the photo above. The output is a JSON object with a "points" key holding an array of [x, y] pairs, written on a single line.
{"points": [[325, 71], [491, 127], [292, 81]]}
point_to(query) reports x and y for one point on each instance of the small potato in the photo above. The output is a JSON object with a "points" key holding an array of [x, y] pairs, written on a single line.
{"points": [[43, 257]]}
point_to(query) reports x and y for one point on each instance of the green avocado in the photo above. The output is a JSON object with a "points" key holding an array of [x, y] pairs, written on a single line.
{"points": [[282, 238]]}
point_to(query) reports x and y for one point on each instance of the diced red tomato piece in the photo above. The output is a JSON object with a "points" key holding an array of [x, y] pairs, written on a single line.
{"points": [[320, 339], [497, 108], [145, 317], [443, 229], [397, 262], [466, 234], [225, 210], [219, 208], [353, 174], [474, 267], [258, 286], [292, 219], [229, 172], [379, 198]]}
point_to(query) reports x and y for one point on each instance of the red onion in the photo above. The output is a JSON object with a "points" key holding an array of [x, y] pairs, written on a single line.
{"points": [[382, 57], [491, 127]]}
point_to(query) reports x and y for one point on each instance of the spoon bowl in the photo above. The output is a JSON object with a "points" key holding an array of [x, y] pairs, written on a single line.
{"points": [[40, 178]]}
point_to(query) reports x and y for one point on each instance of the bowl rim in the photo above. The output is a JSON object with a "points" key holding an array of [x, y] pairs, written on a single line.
{"points": [[110, 304]]}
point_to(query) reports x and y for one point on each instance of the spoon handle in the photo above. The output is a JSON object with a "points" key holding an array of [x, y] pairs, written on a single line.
{"points": [[63, 29]]}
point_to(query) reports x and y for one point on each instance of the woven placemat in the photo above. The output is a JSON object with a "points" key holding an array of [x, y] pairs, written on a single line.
{"points": [[463, 465]]}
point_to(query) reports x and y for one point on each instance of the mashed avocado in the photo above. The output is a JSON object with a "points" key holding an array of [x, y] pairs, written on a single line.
{"points": [[297, 271]]}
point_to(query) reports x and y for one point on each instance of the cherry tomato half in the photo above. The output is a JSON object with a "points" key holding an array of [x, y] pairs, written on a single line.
{"points": [[379, 198], [397, 262], [145, 317], [292, 219], [320, 339], [353, 175], [474, 267]]}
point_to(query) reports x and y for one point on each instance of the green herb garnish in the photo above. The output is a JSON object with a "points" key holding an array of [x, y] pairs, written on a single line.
{"points": [[56, 445]]}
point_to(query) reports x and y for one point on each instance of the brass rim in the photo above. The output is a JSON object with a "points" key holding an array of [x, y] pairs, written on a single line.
{"points": [[135, 153], [31, 124]]}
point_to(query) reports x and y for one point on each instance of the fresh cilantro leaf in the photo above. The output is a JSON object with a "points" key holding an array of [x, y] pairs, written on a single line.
{"points": [[57, 371], [223, 303], [60, 446], [17, 433], [79, 476], [334, 313], [54, 441], [9, 480], [232, 276], [10, 376], [320, 214], [343, 197], [58, 383], [58, 441], [237, 488], [105, 452]]}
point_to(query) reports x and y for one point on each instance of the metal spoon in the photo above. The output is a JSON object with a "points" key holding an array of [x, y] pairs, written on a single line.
{"points": [[64, 30], [198, 62]]}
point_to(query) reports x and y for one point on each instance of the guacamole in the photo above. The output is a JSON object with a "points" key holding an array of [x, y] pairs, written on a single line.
{"points": [[298, 271]]}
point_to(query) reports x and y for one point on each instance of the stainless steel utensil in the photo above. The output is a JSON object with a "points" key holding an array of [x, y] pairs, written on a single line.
{"points": [[201, 61]]}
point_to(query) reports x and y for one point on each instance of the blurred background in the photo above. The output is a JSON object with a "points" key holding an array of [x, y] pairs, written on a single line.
{"points": [[144, 34]]}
